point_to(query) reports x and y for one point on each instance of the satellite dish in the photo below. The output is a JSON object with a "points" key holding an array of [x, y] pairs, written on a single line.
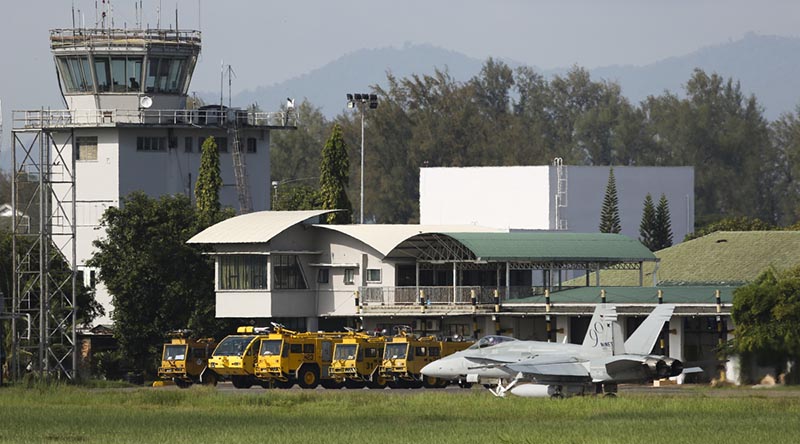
{"points": [[145, 102]]}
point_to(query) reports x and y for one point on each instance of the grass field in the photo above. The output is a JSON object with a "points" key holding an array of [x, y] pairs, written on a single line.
{"points": [[204, 415]]}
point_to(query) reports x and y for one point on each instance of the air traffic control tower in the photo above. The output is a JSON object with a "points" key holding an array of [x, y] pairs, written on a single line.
{"points": [[126, 128]]}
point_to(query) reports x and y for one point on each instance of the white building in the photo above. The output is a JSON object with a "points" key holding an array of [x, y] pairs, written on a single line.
{"points": [[553, 197], [127, 129]]}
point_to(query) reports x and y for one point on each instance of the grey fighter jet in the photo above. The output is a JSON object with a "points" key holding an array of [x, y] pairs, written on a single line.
{"points": [[537, 369]]}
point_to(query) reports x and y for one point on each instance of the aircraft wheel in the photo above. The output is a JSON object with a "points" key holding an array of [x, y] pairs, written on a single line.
{"points": [[308, 377], [610, 395], [430, 382], [464, 384]]}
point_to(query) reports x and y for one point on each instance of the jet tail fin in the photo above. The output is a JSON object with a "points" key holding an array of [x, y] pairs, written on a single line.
{"points": [[643, 339], [604, 336]]}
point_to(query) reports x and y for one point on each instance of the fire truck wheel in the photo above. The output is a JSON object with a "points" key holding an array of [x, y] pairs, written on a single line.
{"points": [[181, 383], [330, 384], [241, 382], [354, 384], [377, 383], [209, 378], [308, 377]]}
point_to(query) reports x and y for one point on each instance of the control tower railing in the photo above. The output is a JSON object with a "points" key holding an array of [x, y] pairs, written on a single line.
{"points": [[46, 118], [101, 37]]}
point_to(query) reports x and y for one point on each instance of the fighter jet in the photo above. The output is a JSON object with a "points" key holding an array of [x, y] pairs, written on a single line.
{"points": [[538, 369]]}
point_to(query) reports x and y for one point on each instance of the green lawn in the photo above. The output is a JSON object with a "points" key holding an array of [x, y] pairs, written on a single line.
{"points": [[202, 415]]}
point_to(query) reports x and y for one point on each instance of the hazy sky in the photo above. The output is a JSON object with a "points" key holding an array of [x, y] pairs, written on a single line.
{"points": [[270, 41]]}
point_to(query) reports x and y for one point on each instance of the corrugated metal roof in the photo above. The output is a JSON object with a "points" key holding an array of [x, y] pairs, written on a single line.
{"points": [[258, 227], [554, 246], [385, 238], [678, 294]]}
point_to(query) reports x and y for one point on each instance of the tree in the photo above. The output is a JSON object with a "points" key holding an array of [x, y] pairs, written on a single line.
{"points": [[333, 178], [158, 282], [609, 215], [209, 181], [297, 197], [663, 225], [766, 314], [742, 223], [647, 227]]}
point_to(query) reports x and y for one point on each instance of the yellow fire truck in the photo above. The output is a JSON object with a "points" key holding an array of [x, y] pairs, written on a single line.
{"points": [[235, 357], [184, 360], [287, 357], [356, 360], [405, 354]]}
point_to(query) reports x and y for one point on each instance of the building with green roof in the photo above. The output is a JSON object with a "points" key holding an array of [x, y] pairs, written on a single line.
{"points": [[472, 281]]}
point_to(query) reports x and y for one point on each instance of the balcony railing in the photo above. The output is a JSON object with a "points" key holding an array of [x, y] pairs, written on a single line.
{"points": [[439, 295], [45, 118]]}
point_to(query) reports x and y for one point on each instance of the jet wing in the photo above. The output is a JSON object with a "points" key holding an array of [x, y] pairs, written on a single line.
{"points": [[552, 369]]}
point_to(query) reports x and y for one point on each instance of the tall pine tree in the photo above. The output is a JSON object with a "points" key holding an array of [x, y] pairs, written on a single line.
{"points": [[333, 178], [209, 182], [663, 231], [609, 216], [648, 225]]}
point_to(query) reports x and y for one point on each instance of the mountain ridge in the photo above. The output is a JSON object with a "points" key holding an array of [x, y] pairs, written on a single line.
{"points": [[764, 65]]}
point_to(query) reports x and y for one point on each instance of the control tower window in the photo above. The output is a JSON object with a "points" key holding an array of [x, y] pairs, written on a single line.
{"points": [[165, 75], [118, 74], [76, 74], [103, 71]]}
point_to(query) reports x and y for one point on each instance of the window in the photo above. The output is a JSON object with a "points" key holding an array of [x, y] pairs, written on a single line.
{"points": [[287, 274], [349, 276], [165, 75], [251, 144], [86, 148], [187, 145], [242, 272], [222, 144], [308, 348], [323, 274], [151, 144], [103, 72], [374, 275], [420, 351], [434, 352], [296, 348], [76, 74]]}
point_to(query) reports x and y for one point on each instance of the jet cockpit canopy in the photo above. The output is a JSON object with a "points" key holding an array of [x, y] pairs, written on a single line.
{"points": [[488, 341]]}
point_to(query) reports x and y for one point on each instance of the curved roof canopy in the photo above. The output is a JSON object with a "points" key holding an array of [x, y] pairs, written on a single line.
{"points": [[385, 238], [258, 227]]}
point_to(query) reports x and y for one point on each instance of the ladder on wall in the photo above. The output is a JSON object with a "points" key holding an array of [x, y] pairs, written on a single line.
{"points": [[561, 194], [240, 168]]}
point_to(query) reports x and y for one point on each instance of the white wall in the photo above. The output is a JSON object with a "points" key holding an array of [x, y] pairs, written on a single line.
{"points": [[523, 197], [500, 197]]}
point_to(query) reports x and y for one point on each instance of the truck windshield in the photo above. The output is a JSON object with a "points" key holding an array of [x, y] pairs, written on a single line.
{"points": [[344, 351], [174, 352], [271, 347], [233, 346], [395, 351]]}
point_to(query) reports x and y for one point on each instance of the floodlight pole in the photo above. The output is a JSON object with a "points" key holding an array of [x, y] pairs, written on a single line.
{"points": [[361, 205]]}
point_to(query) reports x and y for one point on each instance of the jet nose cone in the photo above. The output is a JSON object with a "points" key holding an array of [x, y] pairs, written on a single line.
{"points": [[429, 369]]}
